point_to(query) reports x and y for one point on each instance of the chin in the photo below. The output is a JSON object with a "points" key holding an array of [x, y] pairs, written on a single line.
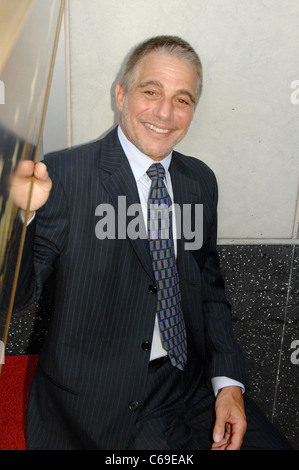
{"points": [[158, 155]]}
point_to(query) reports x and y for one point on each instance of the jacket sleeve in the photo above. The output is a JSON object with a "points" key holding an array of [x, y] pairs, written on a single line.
{"points": [[45, 239], [225, 357]]}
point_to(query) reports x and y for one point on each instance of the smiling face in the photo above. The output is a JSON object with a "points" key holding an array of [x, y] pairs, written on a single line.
{"points": [[159, 106]]}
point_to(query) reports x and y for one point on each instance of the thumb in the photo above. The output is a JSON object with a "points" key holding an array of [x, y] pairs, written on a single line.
{"points": [[40, 171], [219, 428]]}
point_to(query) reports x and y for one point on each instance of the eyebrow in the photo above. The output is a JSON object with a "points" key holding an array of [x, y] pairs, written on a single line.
{"points": [[160, 85]]}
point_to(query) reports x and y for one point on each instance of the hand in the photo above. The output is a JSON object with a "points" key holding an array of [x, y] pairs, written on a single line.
{"points": [[230, 425], [20, 183]]}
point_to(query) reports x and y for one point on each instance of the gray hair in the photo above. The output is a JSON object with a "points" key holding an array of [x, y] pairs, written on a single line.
{"points": [[162, 44]]}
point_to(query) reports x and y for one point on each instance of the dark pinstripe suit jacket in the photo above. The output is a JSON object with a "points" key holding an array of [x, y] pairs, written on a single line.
{"points": [[95, 358]]}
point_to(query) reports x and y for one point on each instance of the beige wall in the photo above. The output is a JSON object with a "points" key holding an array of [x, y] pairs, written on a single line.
{"points": [[246, 126]]}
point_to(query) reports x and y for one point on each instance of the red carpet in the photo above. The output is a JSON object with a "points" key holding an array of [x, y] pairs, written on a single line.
{"points": [[15, 380]]}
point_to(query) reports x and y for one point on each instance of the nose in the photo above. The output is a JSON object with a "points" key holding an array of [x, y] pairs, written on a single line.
{"points": [[164, 109]]}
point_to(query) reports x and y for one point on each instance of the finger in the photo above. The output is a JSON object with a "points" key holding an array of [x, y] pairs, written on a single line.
{"points": [[25, 169], [237, 434], [224, 442], [220, 445], [42, 178], [219, 428], [40, 171]]}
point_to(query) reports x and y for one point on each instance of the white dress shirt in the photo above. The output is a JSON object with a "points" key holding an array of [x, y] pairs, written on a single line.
{"points": [[139, 164]]}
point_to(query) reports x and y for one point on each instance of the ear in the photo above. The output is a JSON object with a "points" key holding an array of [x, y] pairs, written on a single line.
{"points": [[120, 96]]}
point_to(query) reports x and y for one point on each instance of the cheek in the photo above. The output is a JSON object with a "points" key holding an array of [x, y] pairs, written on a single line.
{"points": [[186, 119], [142, 107]]}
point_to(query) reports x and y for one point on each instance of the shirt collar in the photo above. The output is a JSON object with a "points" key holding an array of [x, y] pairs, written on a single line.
{"points": [[139, 162]]}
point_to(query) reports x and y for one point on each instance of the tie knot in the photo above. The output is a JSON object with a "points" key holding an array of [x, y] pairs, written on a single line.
{"points": [[156, 171]]}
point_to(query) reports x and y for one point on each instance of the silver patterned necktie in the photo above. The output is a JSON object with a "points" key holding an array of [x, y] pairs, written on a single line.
{"points": [[169, 309]]}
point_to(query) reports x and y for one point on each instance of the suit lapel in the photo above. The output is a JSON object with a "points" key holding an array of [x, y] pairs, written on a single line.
{"points": [[186, 193], [120, 181]]}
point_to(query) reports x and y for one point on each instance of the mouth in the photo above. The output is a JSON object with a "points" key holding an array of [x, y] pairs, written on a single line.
{"points": [[156, 129]]}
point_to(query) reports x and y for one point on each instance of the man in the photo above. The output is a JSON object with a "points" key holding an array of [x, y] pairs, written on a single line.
{"points": [[105, 378]]}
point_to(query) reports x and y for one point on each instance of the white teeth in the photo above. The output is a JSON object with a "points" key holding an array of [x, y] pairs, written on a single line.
{"points": [[157, 129]]}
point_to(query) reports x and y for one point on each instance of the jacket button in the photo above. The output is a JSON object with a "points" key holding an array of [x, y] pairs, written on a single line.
{"points": [[146, 346], [133, 405], [153, 289]]}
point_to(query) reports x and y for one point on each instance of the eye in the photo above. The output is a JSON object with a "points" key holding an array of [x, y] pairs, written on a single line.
{"points": [[183, 102], [150, 93]]}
